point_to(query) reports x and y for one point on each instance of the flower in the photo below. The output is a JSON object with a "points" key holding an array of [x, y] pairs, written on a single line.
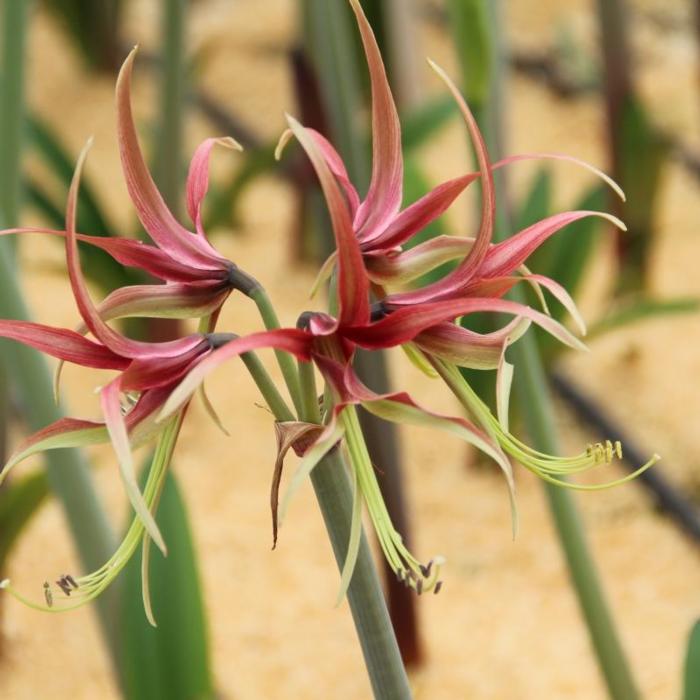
{"points": [[199, 279], [148, 372]]}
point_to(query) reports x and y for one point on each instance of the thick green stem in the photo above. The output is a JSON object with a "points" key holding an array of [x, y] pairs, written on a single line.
{"points": [[285, 361], [369, 612], [536, 410]]}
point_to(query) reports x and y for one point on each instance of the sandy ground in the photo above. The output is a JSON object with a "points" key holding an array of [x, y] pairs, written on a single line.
{"points": [[507, 624]]}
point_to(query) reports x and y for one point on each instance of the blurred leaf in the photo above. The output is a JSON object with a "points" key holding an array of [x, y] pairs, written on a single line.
{"points": [[422, 123], [691, 674], [641, 310], [170, 662], [19, 500], [100, 267], [94, 27]]}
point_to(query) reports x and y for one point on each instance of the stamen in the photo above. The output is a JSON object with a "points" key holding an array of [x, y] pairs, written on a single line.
{"points": [[437, 588], [48, 595]]}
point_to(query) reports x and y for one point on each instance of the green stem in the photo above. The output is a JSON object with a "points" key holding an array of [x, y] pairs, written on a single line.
{"points": [[285, 361], [267, 387], [535, 406], [168, 162], [68, 473], [367, 605]]}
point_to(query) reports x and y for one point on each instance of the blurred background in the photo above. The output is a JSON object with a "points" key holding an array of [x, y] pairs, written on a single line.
{"points": [[613, 83]]}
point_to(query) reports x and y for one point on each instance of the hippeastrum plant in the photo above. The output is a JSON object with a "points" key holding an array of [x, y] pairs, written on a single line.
{"points": [[158, 379]]}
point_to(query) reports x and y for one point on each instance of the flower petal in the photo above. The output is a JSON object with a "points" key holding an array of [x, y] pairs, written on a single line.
{"points": [[461, 275], [353, 283], [64, 344], [418, 215], [116, 426], [505, 257], [198, 177], [128, 252], [152, 211], [406, 323], [337, 167], [113, 340], [406, 266], [465, 348], [291, 340], [289, 435], [385, 190]]}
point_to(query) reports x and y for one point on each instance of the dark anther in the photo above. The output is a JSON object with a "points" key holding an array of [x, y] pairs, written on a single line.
{"points": [[242, 281], [216, 340], [71, 580], [378, 311], [437, 588], [47, 594], [425, 570], [305, 319], [419, 586], [64, 585]]}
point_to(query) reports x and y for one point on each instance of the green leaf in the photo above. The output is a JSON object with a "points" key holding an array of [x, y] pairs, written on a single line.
{"points": [[641, 310], [419, 125], [691, 673], [171, 661], [19, 501]]}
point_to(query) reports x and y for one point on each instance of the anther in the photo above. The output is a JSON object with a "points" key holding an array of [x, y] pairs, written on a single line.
{"points": [[71, 581], [437, 588], [419, 586], [425, 570], [64, 585], [48, 595]]}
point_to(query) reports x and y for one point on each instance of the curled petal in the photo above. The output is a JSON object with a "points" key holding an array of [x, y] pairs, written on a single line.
{"points": [[198, 178], [406, 323], [131, 253], [153, 373], [465, 348], [63, 344], [337, 167], [400, 267], [291, 434], [291, 340], [419, 214], [505, 257], [353, 284], [461, 275], [152, 211], [116, 426], [385, 190], [113, 340]]}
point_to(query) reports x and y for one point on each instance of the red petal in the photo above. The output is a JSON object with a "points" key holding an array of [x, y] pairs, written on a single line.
{"points": [[152, 211], [198, 178], [291, 340], [151, 374], [337, 167], [421, 213], [113, 340], [406, 323], [505, 257], [63, 344], [469, 266], [385, 190], [353, 284]]}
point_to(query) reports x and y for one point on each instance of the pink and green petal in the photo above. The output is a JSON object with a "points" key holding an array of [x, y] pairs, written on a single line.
{"points": [[419, 214], [507, 256], [157, 219], [61, 343], [353, 284], [198, 179], [116, 427], [385, 190], [406, 323]]}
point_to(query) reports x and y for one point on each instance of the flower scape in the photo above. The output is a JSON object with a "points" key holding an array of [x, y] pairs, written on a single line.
{"points": [[374, 305]]}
